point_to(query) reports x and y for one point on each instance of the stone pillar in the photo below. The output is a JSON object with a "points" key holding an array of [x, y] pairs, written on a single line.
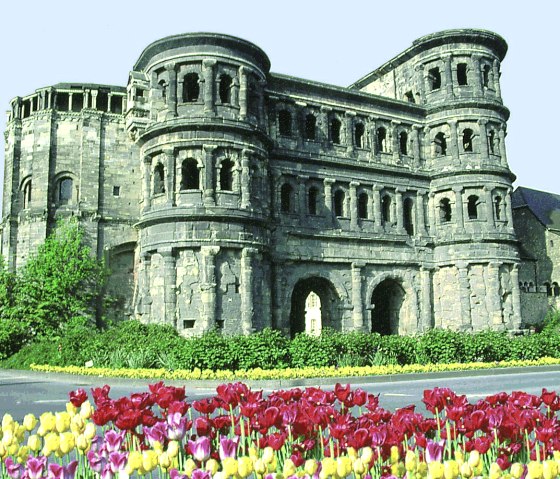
{"points": [[93, 99], [373, 133], [208, 73], [302, 196], [454, 141], [208, 285], [416, 145], [377, 208], [420, 82], [493, 300], [172, 91], [246, 290], [324, 126], [146, 296], [426, 298], [400, 210], [432, 213], [86, 99], [170, 178], [489, 207], [394, 139], [459, 221], [420, 217], [516, 298], [277, 309], [357, 297], [209, 172], [70, 102], [235, 92], [328, 182], [503, 155], [349, 126], [476, 78], [242, 93], [509, 211], [496, 75], [354, 205], [147, 187], [448, 77], [245, 179], [483, 135], [465, 295], [169, 286], [276, 200]]}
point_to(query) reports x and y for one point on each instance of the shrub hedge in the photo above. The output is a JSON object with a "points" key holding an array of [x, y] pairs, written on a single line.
{"points": [[131, 344]]}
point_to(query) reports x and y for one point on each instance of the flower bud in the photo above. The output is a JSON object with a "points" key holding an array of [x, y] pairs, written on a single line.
{"points": [[495, 471], [8, 437], [229, 466], [410, 461], [34, 442], [435, 469], [367, 454], [212, 466], [245, 466], [517, 470], [173, 449], [89, 430], [29, 422], [310, 466], [474, 458], [7, 421], [358, 466], [86, 410], [260, 467], [164, 461], [550, 469], [82, 443], [268, 455], [534, 470]]}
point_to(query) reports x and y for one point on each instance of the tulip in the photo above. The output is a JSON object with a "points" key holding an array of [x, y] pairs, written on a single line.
{"points": [[117, 462], [228, 447], [517, 470], [62, 421], [14, 470], [435, 470], [47, 423], [29, 422], [311, 467], [358, 467], [71, 409], [550, 469], [189, 467], [245, 466], [268, 455], [367, 454], [86, 410], [164, 461], [495, 471], [289, 467], [173, 449], [534, 470], [328, 467], [67, 442], [89, 431], [134, 462], [56, 471], [410, 461], [200, 449], [149, 460], [200, 474], [343, 466], [113, 440], [7, 421], [434, 451], [35, 466], [82, 443], [3, 451], [229, 466], [260, 467], [176, 426], [52, 443], [8, 437], [394, 454], [474, 459], [77, 425]]}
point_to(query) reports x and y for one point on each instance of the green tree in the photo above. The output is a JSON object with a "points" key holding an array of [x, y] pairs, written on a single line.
{"points": [[61, 283]]}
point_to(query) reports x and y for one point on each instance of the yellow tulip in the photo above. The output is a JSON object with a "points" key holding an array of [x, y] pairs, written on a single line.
{"points": [[89, 431], [394, 454], [82, 443], [311, 466], [435, 470], [398, 469], [8, 437], [474, 459], [86, 410], [13, 449], [534, 470], [329, 466], [229, 466], [517, 470], [289, 468], [173, 449], [495, 471], [459, 456], [52, 443], [23, 454], [410, 461], [358, 466], [550, 469], [422, 469], [253, 453], [149, 460], [164, 461], [212, 466], [34, 442], [3, 451], [134, 461], [352, 453], [77, 425], [62, 421], [158, 447], [343, 466], [450, 469], [367, 454], [47, 423], [67, 442], [19, 432], [189, 467], [245, 466], [268, 455], [29, 422], [272, 466], [71, 409], [260, 467], [7, 421]]}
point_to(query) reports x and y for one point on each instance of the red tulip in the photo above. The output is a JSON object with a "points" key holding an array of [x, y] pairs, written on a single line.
{"points": [[78, 397]]}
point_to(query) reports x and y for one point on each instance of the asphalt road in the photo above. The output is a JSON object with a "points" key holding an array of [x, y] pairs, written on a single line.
{"points": [[22, 392]]}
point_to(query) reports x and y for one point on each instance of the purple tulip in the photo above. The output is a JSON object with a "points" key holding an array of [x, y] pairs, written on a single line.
{"points": [[96, 461], [117, 461], [156, 433], [14, 470], [228, 447], [200, 449], [113, 440], [434, 450], [200, 474], [107, 473], [174, 474], [35, 466], [176, 426], [56, 471]]}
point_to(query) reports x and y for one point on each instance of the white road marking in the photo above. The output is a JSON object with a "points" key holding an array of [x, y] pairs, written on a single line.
{"points": [[47, 401], [398, 395]]}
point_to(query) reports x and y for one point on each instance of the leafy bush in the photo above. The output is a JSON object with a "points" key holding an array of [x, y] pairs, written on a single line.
{"points": [[13, 335]]}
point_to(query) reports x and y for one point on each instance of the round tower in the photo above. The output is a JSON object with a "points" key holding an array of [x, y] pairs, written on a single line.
{"points": [[196, 110], [475, 251]]}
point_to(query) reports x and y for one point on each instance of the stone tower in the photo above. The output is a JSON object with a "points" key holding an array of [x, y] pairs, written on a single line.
{"points": [[231, 197]]}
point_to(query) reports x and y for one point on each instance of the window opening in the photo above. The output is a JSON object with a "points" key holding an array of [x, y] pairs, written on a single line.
{"points": [[408, 208], [486, 76], [381, 138], [163, 87], [462, 74], [102, 103], [434, 76], [191, 88], [440, 144], [116, 191], [65, 191], [386, 209], [225, 89], [286, 198], [445, 210], [190, 179], [285, 122], [468, 140], [27, 195], [312, 197], [409, 96], [77, 101], [472, 207], [403, 143], [310, 123], [492, 141], [359, 131], [116, 104], [498, 207], [555, 289], [226, 175], [62, 101], [159, 179], [363, 201], [339, 203], [335, 131]]}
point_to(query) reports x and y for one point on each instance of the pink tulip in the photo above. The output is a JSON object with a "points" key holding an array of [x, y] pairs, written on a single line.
{"points": [[156, 433], [117, 461], [176, 426], [113, 440], [96, 461], [35, 466], [14, 470], [174, 474], [200, 449], [434, 450], [228, 447], [200, 474], [56, 471]]}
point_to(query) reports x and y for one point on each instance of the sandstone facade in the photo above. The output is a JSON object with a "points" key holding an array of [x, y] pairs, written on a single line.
{"points": [[222, 194]]}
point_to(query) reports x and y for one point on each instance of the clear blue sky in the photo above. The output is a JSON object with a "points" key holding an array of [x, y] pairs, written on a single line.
{"points": [[46, 42]]}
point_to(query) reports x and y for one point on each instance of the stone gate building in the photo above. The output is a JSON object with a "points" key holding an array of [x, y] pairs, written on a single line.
{"points": [[224, 195]]}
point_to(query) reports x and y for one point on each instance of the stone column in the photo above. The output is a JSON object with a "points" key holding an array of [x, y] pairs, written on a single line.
{"points": [[277, 309], [146, 296], [246, 290], [302, 196], [208, 287], [377, 208], [170, 179], [476, 78], [242, 92], [245, 179], [354, 205], [493, 300], [416, 145], [357, 299], [496, 75], [169, 286], [483, 135], [93, 99], [432, 213], [489, 207], [373, 133], [70, 102], [516, 298], [509, 212], [459, 221], [328, 182], [208, 73], [503, 155], [209, 172], [420, 82], [172, 91], [147, 187], [349, 125], [454, 141], [86, 99], [276, 200], [465, 295], [324, 126], [426, 298], [420, 217], [395, 142], [235, 92], [448, 76], [400, 210]]}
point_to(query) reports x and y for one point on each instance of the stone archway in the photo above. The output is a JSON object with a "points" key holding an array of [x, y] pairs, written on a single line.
{"points": [[314, 306], [387, 307]]}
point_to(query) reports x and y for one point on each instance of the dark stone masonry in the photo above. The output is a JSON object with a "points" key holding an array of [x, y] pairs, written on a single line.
{"points": [[224, 195]]}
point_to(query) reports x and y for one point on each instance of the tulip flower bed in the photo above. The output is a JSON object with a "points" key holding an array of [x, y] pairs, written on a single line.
{"points": [[311, 433]]}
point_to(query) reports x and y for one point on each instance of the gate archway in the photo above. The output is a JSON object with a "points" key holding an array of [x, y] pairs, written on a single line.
{"points": [[387, 301]]}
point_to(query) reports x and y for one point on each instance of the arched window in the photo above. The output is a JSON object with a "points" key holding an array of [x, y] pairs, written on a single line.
{"points": [[498, 207], [381, 139], [403, 143], [434, 77], [190, 177], [486, 76], [445, 210], [191, 88], [310, 125], [492, 142], [408, 215], [462, 74], [468, 140], [286, 198], [64, 191], [363, 201], [472, 207], [440, 144], [26, 194], [386, 209], [225, 89], [159, 179], [548, 289], [312, 199], [335, 131], [163, 88], [226, 175], [339, 197], [359, 131], [555, 289], [285, 123]]}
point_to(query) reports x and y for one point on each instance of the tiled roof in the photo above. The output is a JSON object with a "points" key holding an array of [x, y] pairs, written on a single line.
{"points": [[545, 206]]}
